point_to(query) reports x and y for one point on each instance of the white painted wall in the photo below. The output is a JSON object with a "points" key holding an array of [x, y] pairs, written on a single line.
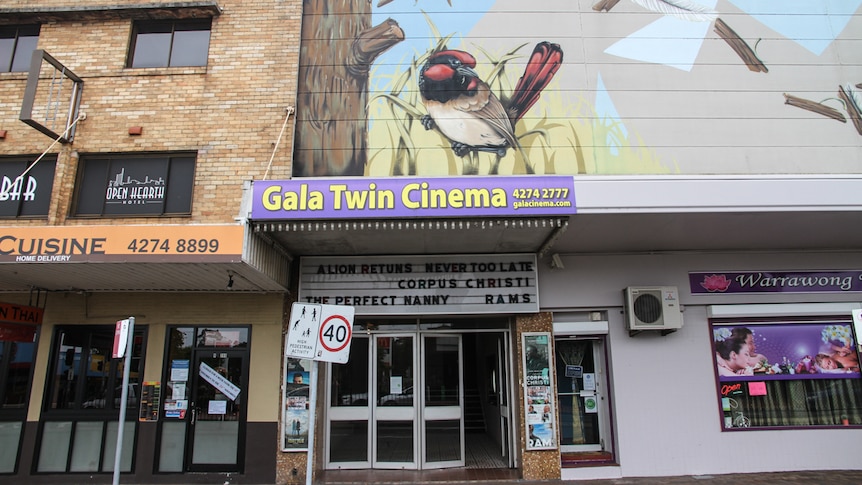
{"points": [[665, 407]]}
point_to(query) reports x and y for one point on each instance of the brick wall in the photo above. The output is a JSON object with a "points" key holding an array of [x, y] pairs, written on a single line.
{"points": [[229, 112]]}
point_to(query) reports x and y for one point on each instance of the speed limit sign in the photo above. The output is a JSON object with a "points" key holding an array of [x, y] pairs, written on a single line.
{"points": [[336, 330]]}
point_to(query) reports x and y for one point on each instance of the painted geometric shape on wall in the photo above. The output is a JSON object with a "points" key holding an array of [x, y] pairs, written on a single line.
{"points": [[606, 112], [668, 41], [813, 24]]}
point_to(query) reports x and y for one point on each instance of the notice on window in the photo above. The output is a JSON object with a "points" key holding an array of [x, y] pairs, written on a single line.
{"points": [[217, 407], [178, 390], [176, 409], [180, 370], [396, 385], [219, 381], [150, 400], [589, 382]]}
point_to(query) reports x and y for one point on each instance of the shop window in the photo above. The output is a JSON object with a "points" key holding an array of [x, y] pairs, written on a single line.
{"points": [[85, 377], [170, 44], [17, 356], [787, 373], [82, 397], [26, 194], [17, 43], [131, 186]]}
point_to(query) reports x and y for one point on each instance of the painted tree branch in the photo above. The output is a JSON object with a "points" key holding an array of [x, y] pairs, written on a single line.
{"points": [[337, 47], [815, 107], [605, 5], [739, 46], [852, 109], [373, 42]]}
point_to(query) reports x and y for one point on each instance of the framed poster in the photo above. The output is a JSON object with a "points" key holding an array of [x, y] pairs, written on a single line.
{"points": [[539, 406], [295, 404], [785, 351]]}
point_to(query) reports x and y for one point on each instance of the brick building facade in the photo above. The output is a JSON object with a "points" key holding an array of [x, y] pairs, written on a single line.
{"points": [[217, 121]]}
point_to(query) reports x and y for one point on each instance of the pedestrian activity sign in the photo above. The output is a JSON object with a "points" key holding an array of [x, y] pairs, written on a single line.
{"points": [[320, 332], [302, 332]]}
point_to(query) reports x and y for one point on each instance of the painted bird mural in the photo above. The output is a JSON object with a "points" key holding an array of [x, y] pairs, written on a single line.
{"points": [[462, 107]]}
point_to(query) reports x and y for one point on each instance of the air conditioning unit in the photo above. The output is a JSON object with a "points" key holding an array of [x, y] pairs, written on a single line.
{"points": [[652, 308]]}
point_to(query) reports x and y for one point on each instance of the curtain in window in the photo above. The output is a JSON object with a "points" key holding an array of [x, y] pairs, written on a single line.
{"points": [[571, 352], [820, 402]]}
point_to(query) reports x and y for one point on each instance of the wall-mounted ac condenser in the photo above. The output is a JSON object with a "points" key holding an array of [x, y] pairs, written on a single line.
{"points": [[652, 308]]}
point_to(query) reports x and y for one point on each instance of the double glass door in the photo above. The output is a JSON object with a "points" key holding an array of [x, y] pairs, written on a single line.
{"points": [[413, 418]]}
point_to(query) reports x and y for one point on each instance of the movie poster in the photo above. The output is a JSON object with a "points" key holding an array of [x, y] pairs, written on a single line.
{"points": [[539, 404], [296, 405]]}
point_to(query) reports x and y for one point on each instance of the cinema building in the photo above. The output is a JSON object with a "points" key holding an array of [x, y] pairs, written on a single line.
{"points": [[648, 262]]}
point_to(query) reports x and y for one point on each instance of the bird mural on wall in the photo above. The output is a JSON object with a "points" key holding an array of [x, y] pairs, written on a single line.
{"points": [[462, 107]]}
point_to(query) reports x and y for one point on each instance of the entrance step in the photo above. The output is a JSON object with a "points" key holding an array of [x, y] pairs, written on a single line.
{"points": [[474, 417]]}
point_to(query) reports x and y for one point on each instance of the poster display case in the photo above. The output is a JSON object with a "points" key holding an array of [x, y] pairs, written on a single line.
{"points": [[539, 406]]}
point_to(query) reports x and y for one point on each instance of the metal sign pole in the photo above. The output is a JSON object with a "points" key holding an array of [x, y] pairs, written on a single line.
{"points": [[124, 397], [312, 401]]}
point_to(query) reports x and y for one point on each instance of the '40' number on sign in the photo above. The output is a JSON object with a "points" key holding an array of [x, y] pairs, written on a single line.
{"points": [[335, 333]]}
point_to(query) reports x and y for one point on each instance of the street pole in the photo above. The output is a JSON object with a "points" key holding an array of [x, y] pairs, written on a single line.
{"points": [[312, 401], [124, 396]]}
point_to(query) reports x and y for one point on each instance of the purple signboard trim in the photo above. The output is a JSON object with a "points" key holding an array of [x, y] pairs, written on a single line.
{"points": [[729, 282], [368, 198]]}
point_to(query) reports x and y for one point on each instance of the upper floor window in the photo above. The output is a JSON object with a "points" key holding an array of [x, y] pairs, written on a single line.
{"points": [[17, 43], [170, 44], [28, 195], [135, 185]]}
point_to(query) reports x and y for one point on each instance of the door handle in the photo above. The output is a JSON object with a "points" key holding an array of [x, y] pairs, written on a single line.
{"points": [[194, 413]]}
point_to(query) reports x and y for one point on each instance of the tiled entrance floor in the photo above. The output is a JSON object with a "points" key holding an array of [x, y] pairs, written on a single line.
{"points": [[337, 477]]}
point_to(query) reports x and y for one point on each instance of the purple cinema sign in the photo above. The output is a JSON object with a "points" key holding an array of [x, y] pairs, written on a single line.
{"points": [[369, 198], [740, 282]]}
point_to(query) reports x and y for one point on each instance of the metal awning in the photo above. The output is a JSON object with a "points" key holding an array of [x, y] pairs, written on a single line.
{"points": [[621, 233], [157, 263], [414, 236]]}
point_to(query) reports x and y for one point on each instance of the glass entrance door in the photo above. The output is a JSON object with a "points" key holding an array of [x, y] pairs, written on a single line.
{"points": [[414, 418], [582, 394], [443, 402], [501, 393], [394, 429], [202, 421], [217, 395]]}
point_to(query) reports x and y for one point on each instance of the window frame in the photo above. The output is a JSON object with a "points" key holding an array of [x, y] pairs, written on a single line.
{"points": [[738, 406], [41, 174], [96, 172], [167, 27], [15, 54], [114, 381], [7, 375]]}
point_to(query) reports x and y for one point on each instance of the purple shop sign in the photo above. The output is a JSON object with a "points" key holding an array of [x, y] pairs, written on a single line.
{"points": [[369, 198], [775, 282]]}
